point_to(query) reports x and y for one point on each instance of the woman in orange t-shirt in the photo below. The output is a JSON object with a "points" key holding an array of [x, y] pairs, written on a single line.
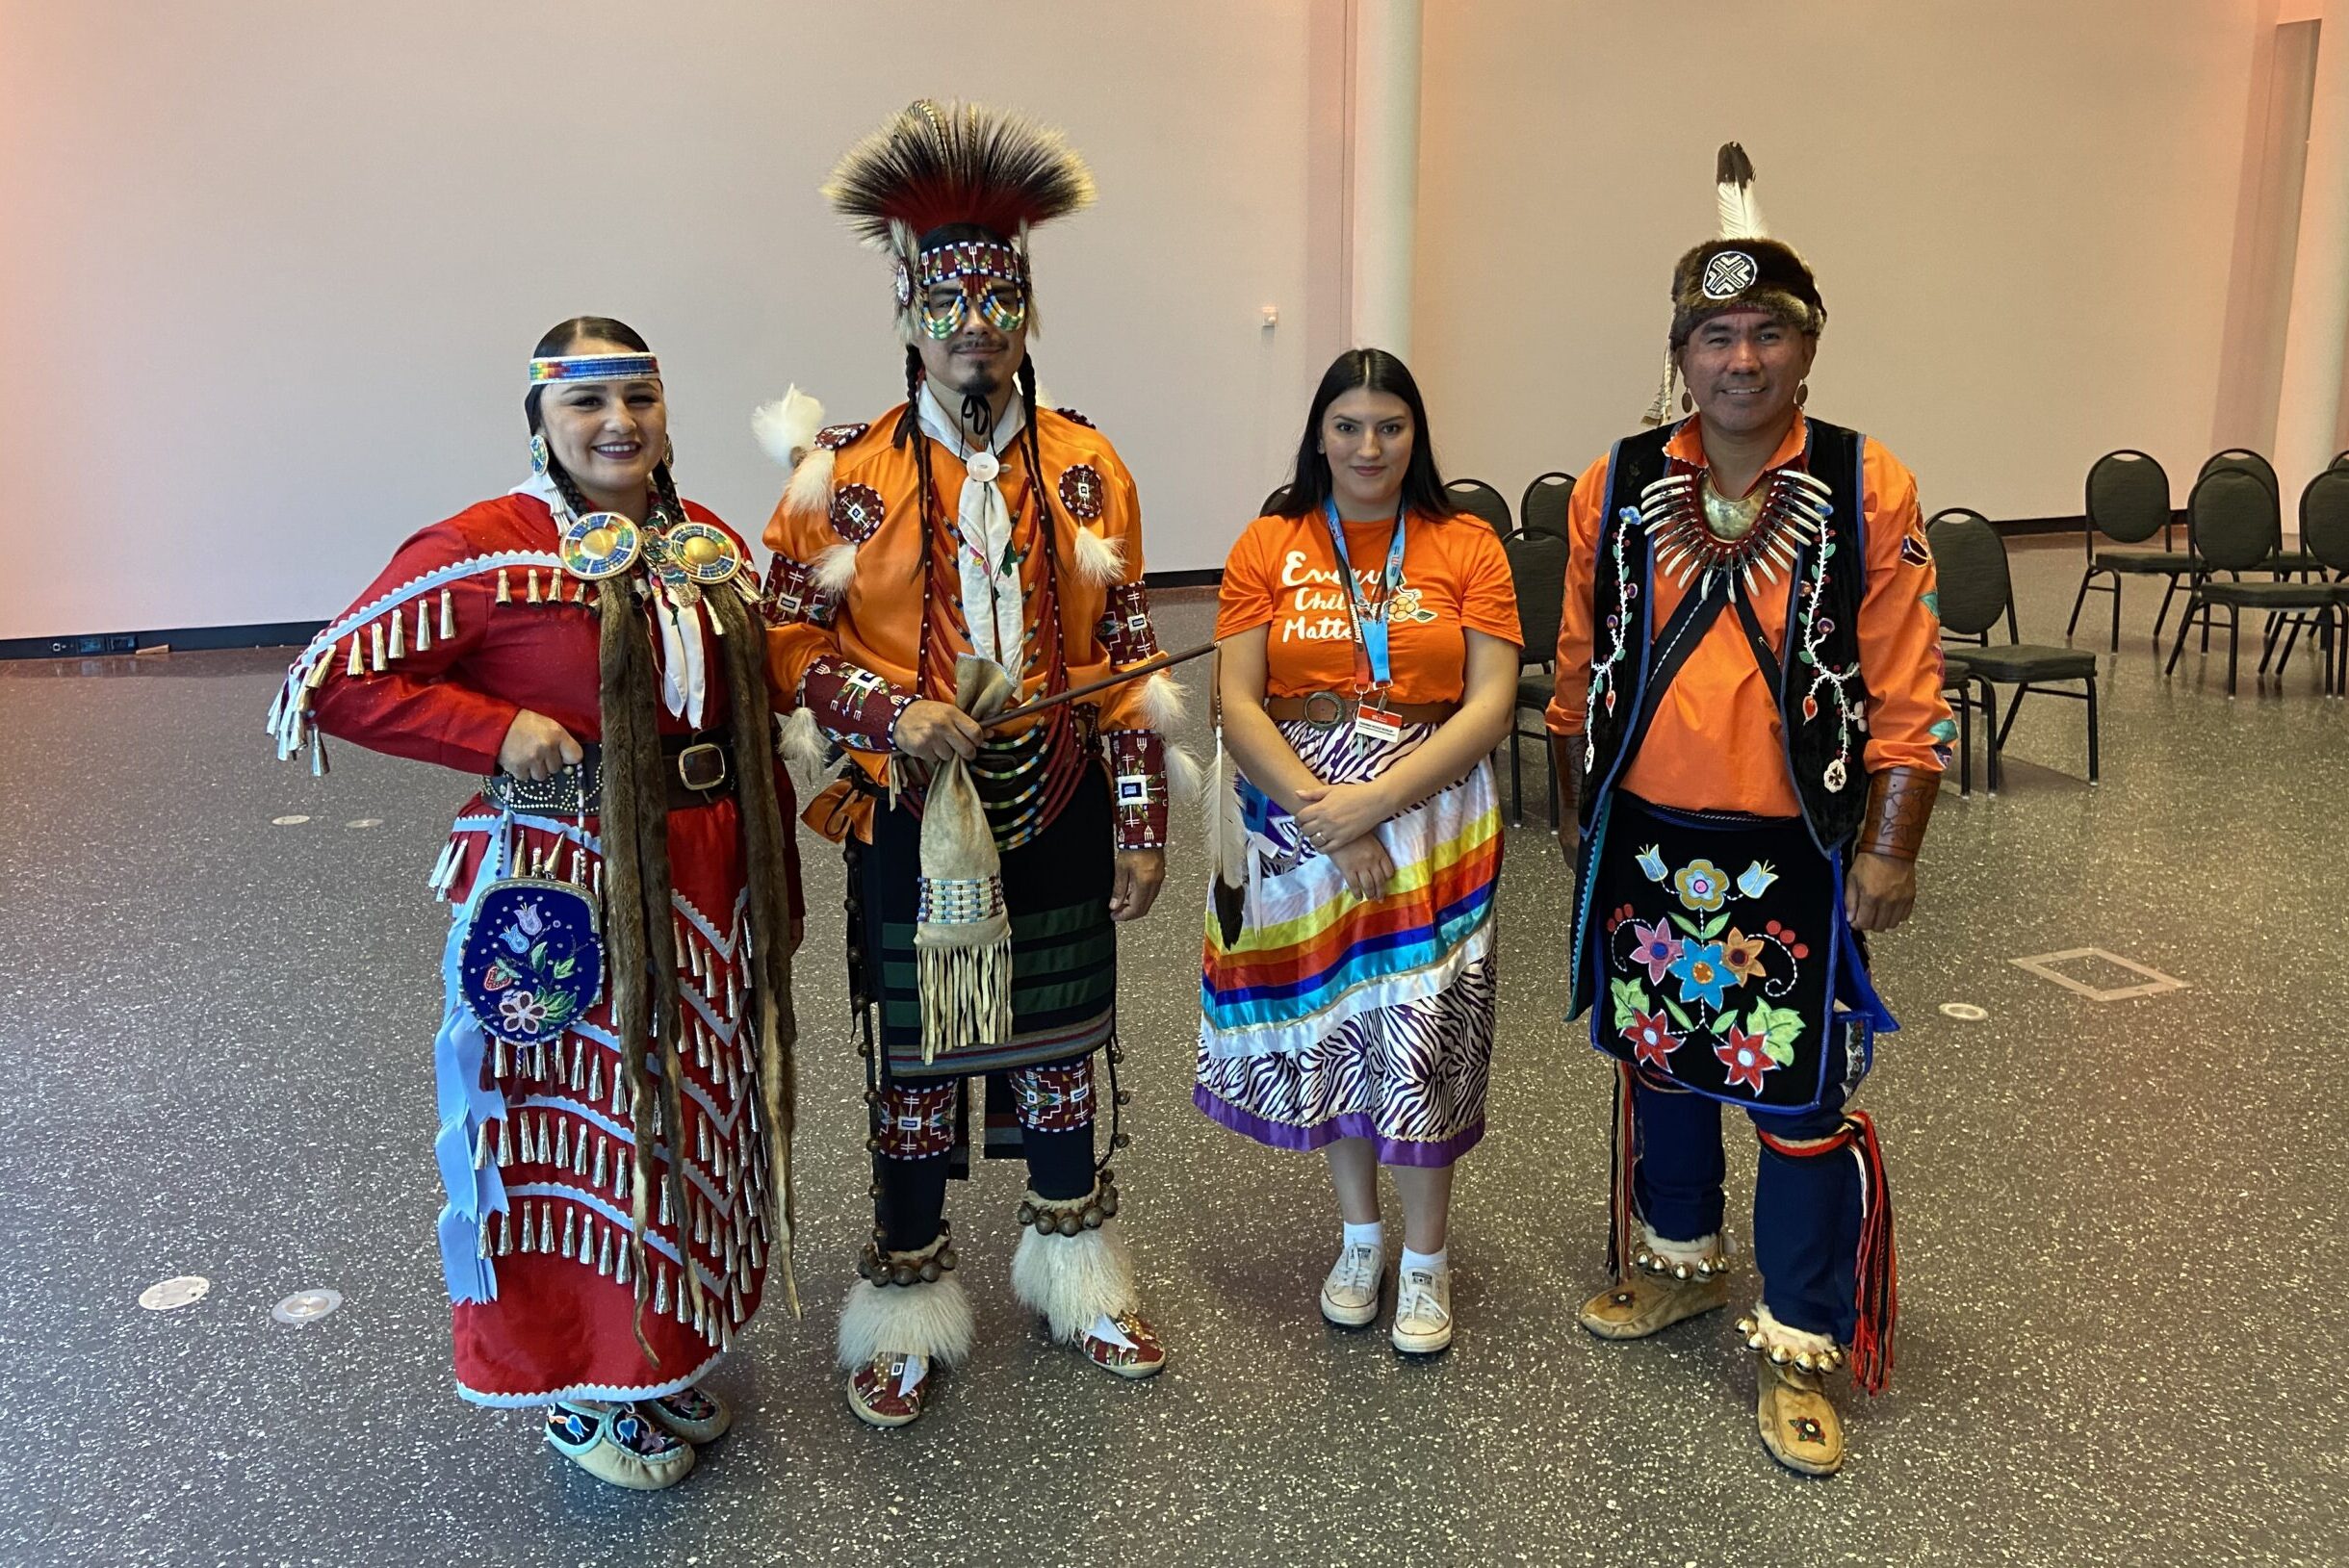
{"points": [[1368, 666]]}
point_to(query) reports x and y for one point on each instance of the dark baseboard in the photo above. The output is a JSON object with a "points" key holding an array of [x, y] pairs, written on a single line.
{"points": [[183, 639], [1205, 577], [2017, 526]]}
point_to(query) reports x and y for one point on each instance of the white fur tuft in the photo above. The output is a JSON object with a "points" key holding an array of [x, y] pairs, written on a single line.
{"points": [[786, 426], [1164, 703], [1071, 1280], [926, 1318], [803, 744], [1099, 559], [835, 569], [810, 492], [1186, 781], [1778, 1336]]}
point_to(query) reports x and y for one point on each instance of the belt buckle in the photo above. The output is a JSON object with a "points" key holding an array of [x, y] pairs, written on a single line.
{"points": [[1335, 708], [702, 767]]}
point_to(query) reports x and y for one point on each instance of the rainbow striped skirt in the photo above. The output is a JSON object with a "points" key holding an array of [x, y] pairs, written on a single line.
{"points": [[1333, 1017]]}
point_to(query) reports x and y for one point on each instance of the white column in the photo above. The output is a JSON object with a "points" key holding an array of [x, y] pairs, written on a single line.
{"points": [[1385, 171], [2316, 343]]}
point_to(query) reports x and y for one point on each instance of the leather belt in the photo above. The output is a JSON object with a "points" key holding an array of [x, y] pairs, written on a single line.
{"points": [[1327, 710], [698, 769]]}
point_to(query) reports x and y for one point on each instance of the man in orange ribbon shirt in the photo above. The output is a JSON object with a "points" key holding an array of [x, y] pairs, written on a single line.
{"points": [[1750, 722]]}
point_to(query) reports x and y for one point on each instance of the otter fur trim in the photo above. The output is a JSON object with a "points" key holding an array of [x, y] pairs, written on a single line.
{"points": [[1186, 779], [1071, 1280], [836, 568], [1164, 703], [803, 744], [929, 1318], [787, 428], [1099, 559]]}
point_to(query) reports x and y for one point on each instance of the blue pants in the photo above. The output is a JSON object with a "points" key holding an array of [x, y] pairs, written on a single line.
{"points": [[1806, 1209]]}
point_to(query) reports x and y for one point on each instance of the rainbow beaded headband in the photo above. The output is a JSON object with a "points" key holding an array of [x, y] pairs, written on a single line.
{"points": [[595, 367]]}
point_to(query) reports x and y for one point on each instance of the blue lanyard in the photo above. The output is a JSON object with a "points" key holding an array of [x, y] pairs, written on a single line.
{"points": [[1369, 629]]}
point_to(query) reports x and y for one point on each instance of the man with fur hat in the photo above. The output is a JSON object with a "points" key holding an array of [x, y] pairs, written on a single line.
{"points": [[1749, 723], [963, 554]]}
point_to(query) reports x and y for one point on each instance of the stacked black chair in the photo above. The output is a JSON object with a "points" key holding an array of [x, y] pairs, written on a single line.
{"points": [[1977, 594], [2281, 562], [2233, 520], [1474, 495], [1543, 507], [2128, 502], [2324, 533], [1537, 562], [1275, 501]]}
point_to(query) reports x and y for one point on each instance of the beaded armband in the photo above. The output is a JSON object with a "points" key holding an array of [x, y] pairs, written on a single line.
{"points": [[791, 598], [1138, 784], [1124, 628], [853, 706]]}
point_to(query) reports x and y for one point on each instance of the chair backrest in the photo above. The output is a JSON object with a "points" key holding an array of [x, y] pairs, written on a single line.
{"points": [[2245, 459], [1543, 507], [2232, 518], [2324, 518], [2129, 497], [1477, 496], [1969, 560], [2340, 460], [1274, 502], [1537, 562]]}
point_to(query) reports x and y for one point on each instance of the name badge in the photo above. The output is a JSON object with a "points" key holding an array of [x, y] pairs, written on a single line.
{"points": [[1374, 723]]}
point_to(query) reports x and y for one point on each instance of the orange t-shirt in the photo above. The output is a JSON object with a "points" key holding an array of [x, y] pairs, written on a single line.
{"points": [[1283, 573]]}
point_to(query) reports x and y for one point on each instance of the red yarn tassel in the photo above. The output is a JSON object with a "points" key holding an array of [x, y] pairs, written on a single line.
{"points": [[1879, 1267], [1623, 1156]]}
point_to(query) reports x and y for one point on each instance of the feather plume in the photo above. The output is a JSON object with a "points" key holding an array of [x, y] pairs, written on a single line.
{"points": [[802, 744], [1099, 559], [956, 163], [1185, 780], [1741, 210], [810, 492], [1163, 702], [786, 426], [835, 569]]}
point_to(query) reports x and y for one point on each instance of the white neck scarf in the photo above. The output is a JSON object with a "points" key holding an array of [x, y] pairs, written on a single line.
{"points": [[685, 675], [992, 606]]}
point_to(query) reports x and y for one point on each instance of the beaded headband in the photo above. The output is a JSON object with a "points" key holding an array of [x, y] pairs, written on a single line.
{"points": [[595, 367]]}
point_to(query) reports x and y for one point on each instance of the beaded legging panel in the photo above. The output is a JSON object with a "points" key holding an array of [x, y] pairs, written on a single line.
{"points": [[1053, 1101]]}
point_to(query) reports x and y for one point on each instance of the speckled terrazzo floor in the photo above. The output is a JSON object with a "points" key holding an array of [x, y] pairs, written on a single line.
{"points": [[2121, 1224]]}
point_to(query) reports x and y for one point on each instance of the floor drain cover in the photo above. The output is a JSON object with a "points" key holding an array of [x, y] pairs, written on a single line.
{"points": [[171, 1295], [306, 1306]]}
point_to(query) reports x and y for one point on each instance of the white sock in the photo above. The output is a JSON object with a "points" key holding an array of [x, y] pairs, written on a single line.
{"points": [[1432, 1263], [1372, 1234]]}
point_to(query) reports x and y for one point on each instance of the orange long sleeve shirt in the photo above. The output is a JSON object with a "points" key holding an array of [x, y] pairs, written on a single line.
{"points": [[1717, 742]]}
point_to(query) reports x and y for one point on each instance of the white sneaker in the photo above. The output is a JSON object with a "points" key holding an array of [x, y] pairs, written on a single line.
{"points": [[1423, 1312], [1349, 1296]]}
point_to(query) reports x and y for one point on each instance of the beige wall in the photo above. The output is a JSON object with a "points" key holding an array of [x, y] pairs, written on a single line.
{"points": [[2022, 213], [270, 270]]}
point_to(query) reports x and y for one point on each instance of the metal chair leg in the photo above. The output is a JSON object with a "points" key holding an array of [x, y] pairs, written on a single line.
{"points": [[2014, 707], [1965, 743], [2079, 600], [1989, 731], [2185, 624], [2165, 615], [1516, 787], [2235, 642], [2092, 731]]}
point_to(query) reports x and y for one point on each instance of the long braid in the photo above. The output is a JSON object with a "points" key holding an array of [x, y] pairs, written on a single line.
{"points": [[763, 839]]}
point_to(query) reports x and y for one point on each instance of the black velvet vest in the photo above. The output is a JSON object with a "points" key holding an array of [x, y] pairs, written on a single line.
{"points": [[1823, 631]]}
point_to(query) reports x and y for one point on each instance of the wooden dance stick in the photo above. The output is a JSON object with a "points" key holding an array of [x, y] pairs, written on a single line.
{"points": [[1164, 661]]}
